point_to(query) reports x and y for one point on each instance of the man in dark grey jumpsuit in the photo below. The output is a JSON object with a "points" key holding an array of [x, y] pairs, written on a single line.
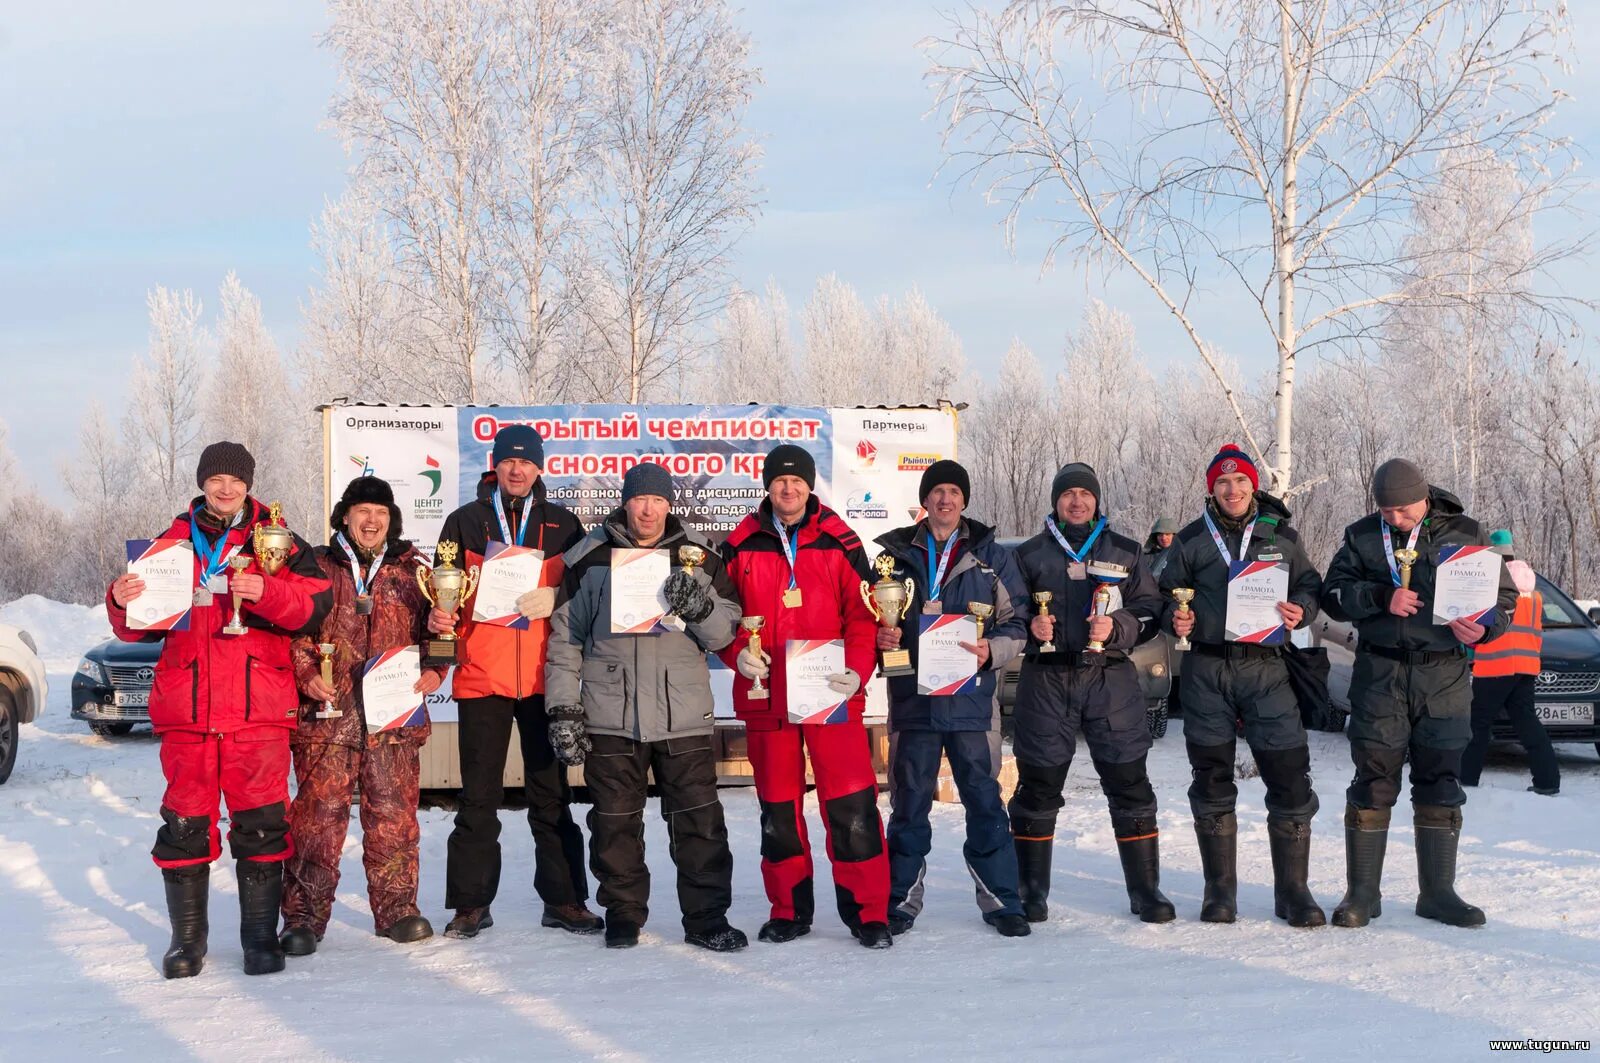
{"points": [[1070, 689], [1411, 690], [1225, 681]]}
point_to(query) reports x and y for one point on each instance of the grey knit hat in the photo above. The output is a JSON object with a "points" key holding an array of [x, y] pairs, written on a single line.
{"points": [[647, 478], [225, 459], [1397, 482]]}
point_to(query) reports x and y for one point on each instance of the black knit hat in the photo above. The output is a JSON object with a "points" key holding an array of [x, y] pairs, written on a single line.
{"points": [[1075, 474], [647, 478], [225, 459], [945, 471], [786, 459], [371, 490], [518, 441]]}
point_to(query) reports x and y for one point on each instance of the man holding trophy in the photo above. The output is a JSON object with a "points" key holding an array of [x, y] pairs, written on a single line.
{"points": [[628, 685], [378, 609], [797, 565], [499, 679], [1400, 575], [1242, 560], [224, 705], [1077, 679], [945, 703]]}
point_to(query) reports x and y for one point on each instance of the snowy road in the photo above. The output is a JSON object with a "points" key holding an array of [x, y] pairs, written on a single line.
{"points": [[82, 927]]}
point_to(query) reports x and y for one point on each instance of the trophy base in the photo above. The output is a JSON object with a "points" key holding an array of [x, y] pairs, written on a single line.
{"points": [[328, 714], [759, 693], [234, 629], [439, 653], [897, 662], [1183, 646], [1048, 647]]}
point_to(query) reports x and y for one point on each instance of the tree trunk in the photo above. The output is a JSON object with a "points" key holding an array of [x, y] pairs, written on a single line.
{"points": [[1285, 239]]}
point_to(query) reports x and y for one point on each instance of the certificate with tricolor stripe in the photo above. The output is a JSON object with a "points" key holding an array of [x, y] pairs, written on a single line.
{"points": [[167, 568], [638, 600], [1466, 583], [1254, 590], [508, 573], [389, 698], [943, 667], [807, 664]]}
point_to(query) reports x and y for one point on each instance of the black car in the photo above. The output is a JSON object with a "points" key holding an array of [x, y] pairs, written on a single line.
{"points": [[111, 688], [1567, 689]]}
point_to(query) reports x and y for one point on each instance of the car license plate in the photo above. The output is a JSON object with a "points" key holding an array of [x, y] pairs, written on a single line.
{"points": [[1562, 713], [132, 699]]}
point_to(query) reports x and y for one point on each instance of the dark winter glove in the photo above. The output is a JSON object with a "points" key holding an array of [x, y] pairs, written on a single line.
{"points": [[689, 598], [567, 734]]}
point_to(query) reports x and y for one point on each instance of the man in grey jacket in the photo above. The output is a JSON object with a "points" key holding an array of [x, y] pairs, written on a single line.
{"points": [[644, 705]]}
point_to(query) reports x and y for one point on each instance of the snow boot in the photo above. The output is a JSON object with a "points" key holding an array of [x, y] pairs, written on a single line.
{"points": [[1138, 844], [621, 934], [297, 941], [1291, 861], [575, 918], [1009, 924], [900, 922], [1366, 836], [873, 935], [260, 898], [408, 929], [467, 922], [188, 889], [1218, 837], [779, 931], [1033, 874], [718, 938], [1438, 835]]}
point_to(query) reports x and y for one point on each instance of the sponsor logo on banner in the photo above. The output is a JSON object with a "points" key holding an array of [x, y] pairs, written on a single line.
{"points": [[432, 474], [362, 462], [866, 454], [864, 505], [916, 462]]}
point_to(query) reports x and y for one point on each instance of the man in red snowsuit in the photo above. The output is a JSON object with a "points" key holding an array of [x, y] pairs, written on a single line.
{"points": [[224, 707], [797, 564]]}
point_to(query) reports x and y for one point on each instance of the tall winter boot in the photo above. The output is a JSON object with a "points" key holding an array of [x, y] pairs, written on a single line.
{"points": [[1033, 873], [1138, 844], [1219, 855], [1291, 859], [188, 889], [1366, 836], [1438, 835], [260, 895]]}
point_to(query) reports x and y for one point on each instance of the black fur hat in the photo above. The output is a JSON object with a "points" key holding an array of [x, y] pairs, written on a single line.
{"points": [[366, 489]]}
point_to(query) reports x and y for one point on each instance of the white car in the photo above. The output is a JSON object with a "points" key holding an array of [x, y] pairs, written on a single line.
{"points": [[22, 690]]}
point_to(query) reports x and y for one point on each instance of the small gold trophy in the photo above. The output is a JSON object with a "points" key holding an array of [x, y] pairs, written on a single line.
{"points": [[272, 541], [690, 556], [1183, 596], [326, 650], [445, 587], [887, 600], [980, 611], [753, 625], [1043, 599], [235, 626], [1406, 557], [1102, 603]]}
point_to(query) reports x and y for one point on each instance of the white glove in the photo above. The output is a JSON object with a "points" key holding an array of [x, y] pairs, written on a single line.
{"points": [[1522, 575], [844, 683], [753, 666], [537, 603]]}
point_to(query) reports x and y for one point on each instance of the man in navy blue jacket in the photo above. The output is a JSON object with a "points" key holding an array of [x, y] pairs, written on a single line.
{"points": [[951, 561]]}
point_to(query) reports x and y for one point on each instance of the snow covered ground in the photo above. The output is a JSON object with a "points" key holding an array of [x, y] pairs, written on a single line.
{"points": [[82, 928]]}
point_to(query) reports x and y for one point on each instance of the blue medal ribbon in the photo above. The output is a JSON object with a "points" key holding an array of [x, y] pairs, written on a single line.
{"points": [[1388, 548], [355, 566], [790, 548], [936, 575], [1222, 545], [505, 525], [212, 560], [1082, 552]]}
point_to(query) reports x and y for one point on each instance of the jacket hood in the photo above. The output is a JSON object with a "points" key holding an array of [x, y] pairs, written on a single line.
{"points": [[1443, 503]]}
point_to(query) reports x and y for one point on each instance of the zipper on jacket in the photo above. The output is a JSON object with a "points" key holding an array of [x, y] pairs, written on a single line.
{"points": [[249, 672], [194, 691]]}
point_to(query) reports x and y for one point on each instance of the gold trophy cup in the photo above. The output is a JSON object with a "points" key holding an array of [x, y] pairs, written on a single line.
{"points": [[753, 625], [1183, 596], [690, 557], [1102, 602], [445, 587], [326, 650], [1043, 599], [980, 611], [272, 541], [1405, 558], [887, 600], [235, 625]]}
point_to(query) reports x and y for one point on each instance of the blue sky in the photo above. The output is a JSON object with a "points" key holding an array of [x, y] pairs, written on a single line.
{"points": [[166, 144]]}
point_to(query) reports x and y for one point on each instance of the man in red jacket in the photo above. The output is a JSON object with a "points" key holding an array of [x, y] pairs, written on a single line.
{"points": [[224, 706], [797, 564]]}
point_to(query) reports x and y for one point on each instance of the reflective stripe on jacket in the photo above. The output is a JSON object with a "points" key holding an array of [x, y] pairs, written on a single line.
{"points": [[1517, 651]]}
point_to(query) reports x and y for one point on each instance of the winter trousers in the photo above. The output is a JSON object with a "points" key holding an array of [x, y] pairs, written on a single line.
{"points": [[1418, 711], [1253, 686], [388, 771], [1513, 696], [847, 790], [472, 855], [913, 778], [617, 775], [249, 769]]}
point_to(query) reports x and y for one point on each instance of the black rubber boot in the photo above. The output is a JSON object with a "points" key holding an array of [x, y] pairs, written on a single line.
{"points": [[1438, 836], [720, 938], [873, 935], [1139, 846], [900, 922], [778, 931], [621, 934], [1218, 837], [1009, 925], [1291, 862], [260, 897], [297, 941], [1366, 836], [407, 930], [1033, 875], [188, 889]]}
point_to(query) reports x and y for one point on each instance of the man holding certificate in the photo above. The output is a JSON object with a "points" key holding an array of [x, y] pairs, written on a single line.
{"points": [[947, 707], [365, 726], [1411, 690], [798, 566], [1252, 584], [635, 696], [224, 706], [499, 679], [1097, 601]]}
